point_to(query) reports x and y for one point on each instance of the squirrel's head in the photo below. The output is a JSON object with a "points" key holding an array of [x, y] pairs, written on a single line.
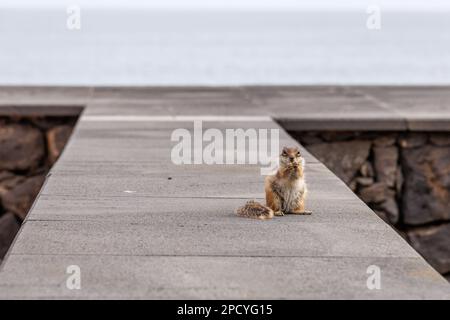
{"points": [[291, 158]]}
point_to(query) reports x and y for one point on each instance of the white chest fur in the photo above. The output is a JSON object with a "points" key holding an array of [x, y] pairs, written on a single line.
{"points": [[292, 190]]}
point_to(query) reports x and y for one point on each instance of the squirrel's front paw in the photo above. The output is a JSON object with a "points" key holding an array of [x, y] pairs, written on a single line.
{"points": [[279, 213]]}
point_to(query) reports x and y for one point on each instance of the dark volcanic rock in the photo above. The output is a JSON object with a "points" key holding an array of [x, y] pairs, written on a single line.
{"points": [[434, 244], [367, 169], [310, 139], [399, 181], [4, 175], [9, 180], [45, 123], [9, 226], [343, 158], [23, 151], [21, 147], [56, 140], [385, 160], [375, 193], [385, 140], [19, 199], [353, 185], [440, 139], [426, 187], [390, 207], [364, 181], [413, 140], [334, 136]]}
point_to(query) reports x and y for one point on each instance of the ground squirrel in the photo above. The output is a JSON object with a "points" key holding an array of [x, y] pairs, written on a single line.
{"points": [[285, 190]]}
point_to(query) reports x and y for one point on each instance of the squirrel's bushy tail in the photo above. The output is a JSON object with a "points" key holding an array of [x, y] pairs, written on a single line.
{"points": [[255, 210]]}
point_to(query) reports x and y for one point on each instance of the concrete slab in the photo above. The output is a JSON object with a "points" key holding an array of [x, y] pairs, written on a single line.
{"points": [[55, 208], [150, 152], [233, 181], [148, 94], [151, 169], [209, 235], [206, 234], [44, 95], [335, 122], [143, 277], [160, 106], [423, 108]]}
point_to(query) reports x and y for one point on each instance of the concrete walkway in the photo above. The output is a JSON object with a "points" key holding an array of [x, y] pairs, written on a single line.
{"points": [[139, 226]]}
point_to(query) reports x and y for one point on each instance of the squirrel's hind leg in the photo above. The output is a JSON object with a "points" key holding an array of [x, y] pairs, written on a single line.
{"points": [[274, 202], [300, 208]]}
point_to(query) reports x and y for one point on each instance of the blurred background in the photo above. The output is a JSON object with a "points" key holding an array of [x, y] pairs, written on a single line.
{"points": [[207, 42]]}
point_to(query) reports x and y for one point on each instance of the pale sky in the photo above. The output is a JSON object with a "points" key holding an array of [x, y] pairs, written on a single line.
{"points": [[238, 4]]}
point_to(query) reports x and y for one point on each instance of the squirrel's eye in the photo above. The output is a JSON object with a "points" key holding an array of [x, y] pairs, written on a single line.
{"points": [[298, 154], [284, 154]]}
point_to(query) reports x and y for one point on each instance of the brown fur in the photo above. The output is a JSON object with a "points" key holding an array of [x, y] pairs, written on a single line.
{"points": [[286, 190], [255, 210]]}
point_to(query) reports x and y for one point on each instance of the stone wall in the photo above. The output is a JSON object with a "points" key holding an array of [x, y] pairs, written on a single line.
{"points": [[29, 146], [403, 177]]}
